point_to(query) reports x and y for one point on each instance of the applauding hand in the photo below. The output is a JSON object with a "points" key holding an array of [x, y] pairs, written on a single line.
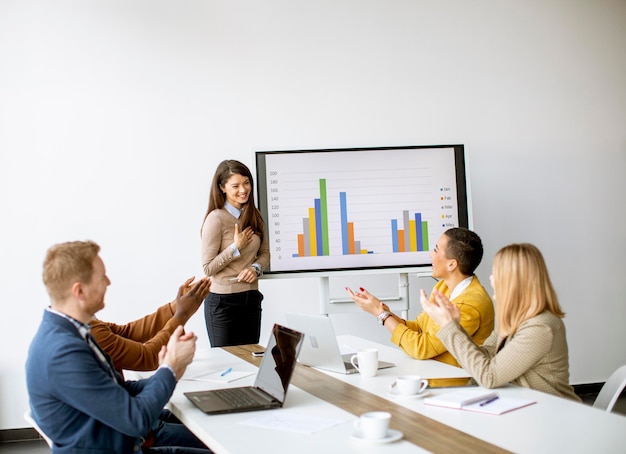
{"points": [[188, 303], [179, 351], [366, 301], [440, 309]]}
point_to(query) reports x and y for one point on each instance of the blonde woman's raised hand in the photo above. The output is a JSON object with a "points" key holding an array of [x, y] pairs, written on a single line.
{"points": [[440, 309]]}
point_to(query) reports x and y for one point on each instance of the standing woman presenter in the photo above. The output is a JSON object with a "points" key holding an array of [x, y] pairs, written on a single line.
{"points": [[234, 253]]}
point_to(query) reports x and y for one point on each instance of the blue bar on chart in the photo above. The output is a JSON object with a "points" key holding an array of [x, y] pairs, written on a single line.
{"points": [[343, 210], [318, 228], [349, 245]]}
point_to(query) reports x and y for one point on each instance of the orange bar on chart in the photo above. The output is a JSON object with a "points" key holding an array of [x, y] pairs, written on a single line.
{"points": [[400, 240], [350, 237], [301, 245]]}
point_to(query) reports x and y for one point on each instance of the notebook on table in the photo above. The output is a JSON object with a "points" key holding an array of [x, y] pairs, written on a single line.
{"points": [[270, 386], [478, 400], [320, 348]]}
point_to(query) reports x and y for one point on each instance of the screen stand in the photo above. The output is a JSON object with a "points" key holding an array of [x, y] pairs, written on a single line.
{"points": [[397, 304], [325, 295]]}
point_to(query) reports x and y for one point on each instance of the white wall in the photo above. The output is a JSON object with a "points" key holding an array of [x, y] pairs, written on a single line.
{"points": [[114, 115]]}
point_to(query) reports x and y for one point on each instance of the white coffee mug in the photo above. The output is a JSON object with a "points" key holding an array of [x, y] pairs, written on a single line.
{"points": [[408, 385], [373, 424], [366, 362]]}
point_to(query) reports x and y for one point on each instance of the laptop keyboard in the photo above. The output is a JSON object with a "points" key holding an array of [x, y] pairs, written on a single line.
{"points": [[238, 397]]}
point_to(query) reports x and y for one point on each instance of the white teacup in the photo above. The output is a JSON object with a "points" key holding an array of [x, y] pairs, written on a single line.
{"points": [[409, 385], [366, 362], [373, 424]]}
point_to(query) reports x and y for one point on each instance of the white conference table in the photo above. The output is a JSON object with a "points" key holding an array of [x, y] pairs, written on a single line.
{"points": [[227, 433], [551, 425]]}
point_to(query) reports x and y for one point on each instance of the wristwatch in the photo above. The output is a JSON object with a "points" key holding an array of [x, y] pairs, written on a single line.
{"points": [[257, 269], [383, 316]]}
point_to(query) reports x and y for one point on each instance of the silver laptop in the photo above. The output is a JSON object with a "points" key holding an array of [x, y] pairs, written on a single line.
{"points": [[320, 348], [271, 383]]}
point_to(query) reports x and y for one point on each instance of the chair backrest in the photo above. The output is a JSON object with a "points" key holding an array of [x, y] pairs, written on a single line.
{"points": [[29, 419], [611, 390]]}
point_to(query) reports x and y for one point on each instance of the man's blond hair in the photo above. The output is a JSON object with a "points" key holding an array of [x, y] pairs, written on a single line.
{"points": [[67, 263]]}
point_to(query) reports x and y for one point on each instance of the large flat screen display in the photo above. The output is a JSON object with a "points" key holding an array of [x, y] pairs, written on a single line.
{"points": [[359, 208]]}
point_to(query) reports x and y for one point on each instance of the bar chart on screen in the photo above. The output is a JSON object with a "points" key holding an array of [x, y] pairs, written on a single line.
{"points": [[347, 209], [314, 239]]}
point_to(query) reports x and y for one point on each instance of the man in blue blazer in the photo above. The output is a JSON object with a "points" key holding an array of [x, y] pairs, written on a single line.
{"points": [[76, 396]]}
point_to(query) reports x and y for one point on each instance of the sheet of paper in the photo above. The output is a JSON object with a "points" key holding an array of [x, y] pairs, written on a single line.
{"points": [[216, 376], [290, 421]]}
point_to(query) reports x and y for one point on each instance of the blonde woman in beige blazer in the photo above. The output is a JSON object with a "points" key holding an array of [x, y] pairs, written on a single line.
{"points": [[528, 347]]}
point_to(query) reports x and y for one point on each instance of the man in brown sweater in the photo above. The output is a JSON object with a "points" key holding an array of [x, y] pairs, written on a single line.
{"points": [[136, 345]]}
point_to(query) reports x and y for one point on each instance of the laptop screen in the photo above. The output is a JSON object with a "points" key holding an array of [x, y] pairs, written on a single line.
{"points": [[279, 361]]}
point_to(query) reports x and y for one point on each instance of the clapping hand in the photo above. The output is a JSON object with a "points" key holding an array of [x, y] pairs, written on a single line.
{"points": [[440, 309], [190, 298], [366, 301], [179, 351], [185, 287]]}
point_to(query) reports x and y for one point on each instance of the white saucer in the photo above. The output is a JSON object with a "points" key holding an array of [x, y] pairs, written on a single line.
{"points": [[392, 435], [394, 393]]}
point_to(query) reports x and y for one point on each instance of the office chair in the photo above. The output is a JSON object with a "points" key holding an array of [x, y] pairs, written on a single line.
{"points": [[29, 419], [611, 390]]}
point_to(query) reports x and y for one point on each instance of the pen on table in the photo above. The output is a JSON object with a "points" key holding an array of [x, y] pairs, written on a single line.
{"points": [[482, 404], [226, 372]]}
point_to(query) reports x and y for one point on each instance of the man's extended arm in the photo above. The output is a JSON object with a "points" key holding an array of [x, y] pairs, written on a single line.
{"points": [[136, 345]]}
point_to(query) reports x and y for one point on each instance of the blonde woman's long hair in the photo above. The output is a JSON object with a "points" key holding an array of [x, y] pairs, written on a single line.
{"points": [[522, 287]]}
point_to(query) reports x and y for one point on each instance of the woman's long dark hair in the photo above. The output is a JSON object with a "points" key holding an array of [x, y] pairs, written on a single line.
{"points": [[250, 214]]}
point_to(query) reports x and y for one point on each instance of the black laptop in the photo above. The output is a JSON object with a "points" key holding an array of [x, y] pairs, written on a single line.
{"points": [[271, 383]]}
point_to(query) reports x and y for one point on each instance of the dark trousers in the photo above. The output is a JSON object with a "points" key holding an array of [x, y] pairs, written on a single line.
{"points": [[233, 319], [172, 437]]}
